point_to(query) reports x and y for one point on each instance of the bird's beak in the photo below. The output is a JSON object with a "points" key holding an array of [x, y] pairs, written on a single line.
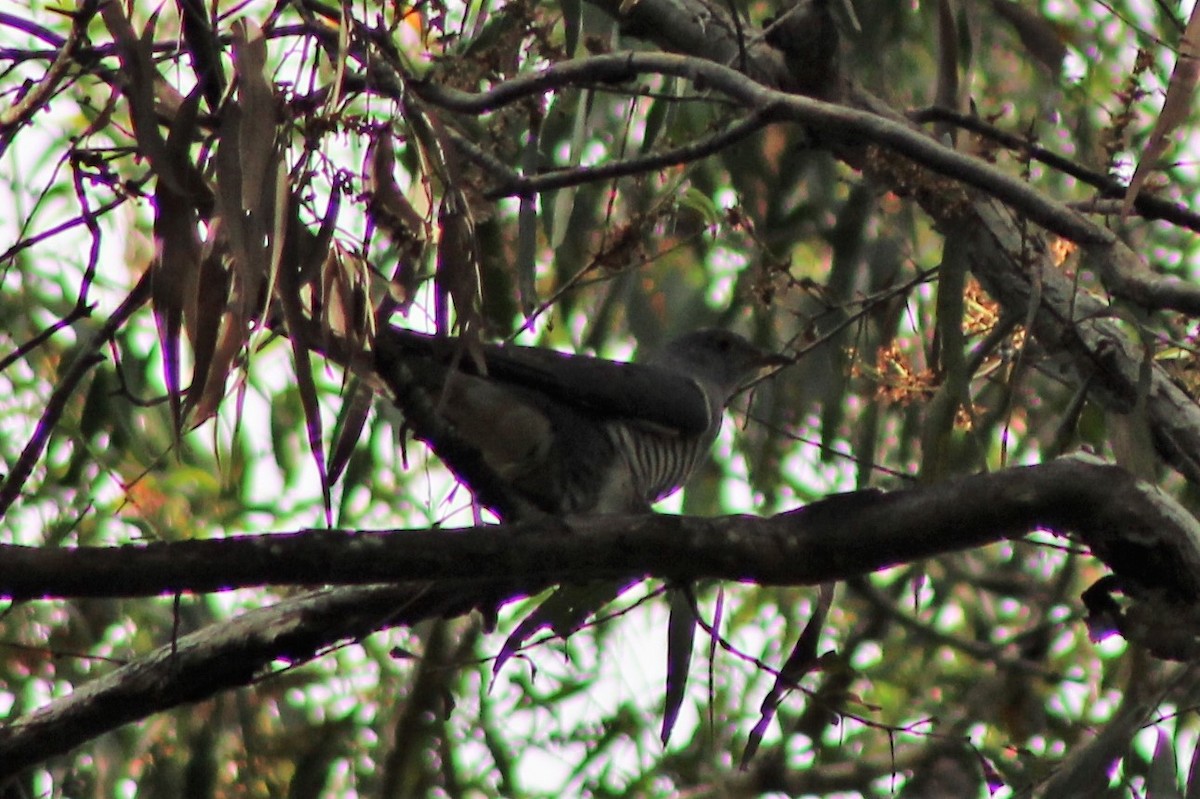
{"points": [[767, 360]]}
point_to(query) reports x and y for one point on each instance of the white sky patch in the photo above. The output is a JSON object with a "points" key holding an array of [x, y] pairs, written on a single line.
{"points": [[723, 268], [726, 198], [1074, 66]]}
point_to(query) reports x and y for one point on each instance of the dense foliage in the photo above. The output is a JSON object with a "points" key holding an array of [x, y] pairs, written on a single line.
{"points": [[211, 210]]}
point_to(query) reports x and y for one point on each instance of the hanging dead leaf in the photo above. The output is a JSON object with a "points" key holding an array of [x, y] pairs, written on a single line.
{"points": [[800, 662], [290, 301], [360, 397], [390, 209], [345, 282], [457, 275], [388, 206], [251, 181], [175, 272], [137, 76], [204, 313]]}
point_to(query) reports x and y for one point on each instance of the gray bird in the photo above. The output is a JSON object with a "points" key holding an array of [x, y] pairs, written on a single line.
{"points": [[535, 431], [532, 430]]}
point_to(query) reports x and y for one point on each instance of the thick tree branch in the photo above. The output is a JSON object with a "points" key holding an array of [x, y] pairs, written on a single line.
{"points": [[1016, 269], [1152, 544], [1137, 531]]}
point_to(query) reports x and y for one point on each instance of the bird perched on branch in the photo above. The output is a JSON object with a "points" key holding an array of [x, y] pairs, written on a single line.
{"points": [[532, 430]]}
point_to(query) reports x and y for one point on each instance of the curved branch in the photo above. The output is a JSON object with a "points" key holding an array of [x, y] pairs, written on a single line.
{"points": [[514, 184], [32, 29], [774, 105], [699, 31]]}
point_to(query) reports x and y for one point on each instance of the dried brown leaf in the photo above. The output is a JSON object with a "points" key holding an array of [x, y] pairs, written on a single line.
{"points": [[293, 314], [247, 229], [205, 315], [256, 134], [355, 411], [138, 77], [175, 272], [260, 167], [390, 209], [345, 286], [231, 339], [230, 212], [388, 206], [297, 263], [457, 277], [251, 182]]}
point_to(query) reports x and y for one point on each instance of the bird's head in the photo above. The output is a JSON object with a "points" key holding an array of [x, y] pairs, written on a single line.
{"points": [[722, 361]]}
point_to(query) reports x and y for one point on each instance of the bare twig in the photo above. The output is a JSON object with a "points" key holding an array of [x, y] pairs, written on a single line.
{"points": [[519, 185]]}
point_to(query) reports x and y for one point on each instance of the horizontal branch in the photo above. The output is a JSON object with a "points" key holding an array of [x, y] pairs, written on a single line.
{"points": [[1150, 543], [1125, 523]]}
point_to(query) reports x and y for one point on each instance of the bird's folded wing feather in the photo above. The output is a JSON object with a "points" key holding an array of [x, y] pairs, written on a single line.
{"points": [[639, 393]]}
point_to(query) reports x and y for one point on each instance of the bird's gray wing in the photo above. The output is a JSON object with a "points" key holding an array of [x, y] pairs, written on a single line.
{"points": [[639, 393], [517, 428]]}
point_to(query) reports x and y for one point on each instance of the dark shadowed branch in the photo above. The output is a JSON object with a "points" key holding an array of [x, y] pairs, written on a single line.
{"points": [[1151, 544], [1124, 522]]}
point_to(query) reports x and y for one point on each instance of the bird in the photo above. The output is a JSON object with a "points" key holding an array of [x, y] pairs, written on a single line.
{"points": [[534, 431]]}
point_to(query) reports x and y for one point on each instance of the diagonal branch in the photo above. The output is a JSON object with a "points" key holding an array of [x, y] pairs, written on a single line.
{"points": [[87, 357], [222, 656]]}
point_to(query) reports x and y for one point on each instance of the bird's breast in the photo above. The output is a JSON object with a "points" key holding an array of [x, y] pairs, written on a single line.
{"points": [[658, 463]]}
